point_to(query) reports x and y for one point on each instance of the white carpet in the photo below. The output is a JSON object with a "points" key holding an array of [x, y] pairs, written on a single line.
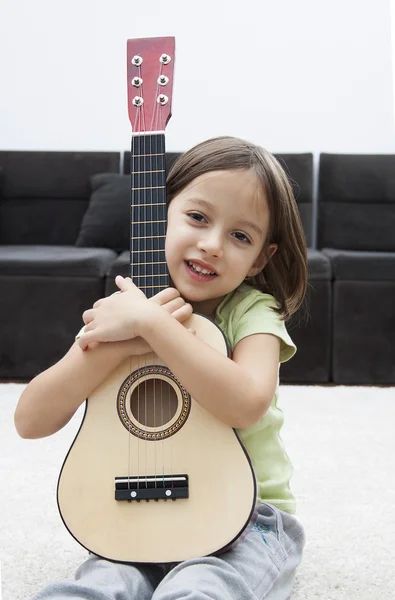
{"points": [[341, 442]]}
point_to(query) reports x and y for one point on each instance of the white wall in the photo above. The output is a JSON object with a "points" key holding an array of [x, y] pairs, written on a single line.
{"points": [[292, 75]]}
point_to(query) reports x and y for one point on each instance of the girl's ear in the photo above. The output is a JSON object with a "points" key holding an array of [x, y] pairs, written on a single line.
{"points": [[262, 260]]}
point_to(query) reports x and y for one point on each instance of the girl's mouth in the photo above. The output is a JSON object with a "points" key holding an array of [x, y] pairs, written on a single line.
{"points": [[197, 276]]}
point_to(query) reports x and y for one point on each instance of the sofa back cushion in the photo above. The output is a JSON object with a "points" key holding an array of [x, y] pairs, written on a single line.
{"points": [[356, 202], [45, 194], [106, 223], [299, 168]]}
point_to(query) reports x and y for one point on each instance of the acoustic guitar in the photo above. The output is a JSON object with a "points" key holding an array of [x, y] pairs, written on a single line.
{"points": [[152, 476]]}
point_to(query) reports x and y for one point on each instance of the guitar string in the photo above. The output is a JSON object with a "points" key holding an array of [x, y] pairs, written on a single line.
{"points": [[157, 161], [154, 162], [143, 165], [147, 277], [137, 160], [160, 162], [162, 178], [143, 139], [131, 262], [131, 271], [133, 169], [132, 247], [161, 127], [169, 387]]}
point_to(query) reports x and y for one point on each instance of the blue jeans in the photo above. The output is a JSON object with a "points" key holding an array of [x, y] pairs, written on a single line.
{"points": [[262, 565]]}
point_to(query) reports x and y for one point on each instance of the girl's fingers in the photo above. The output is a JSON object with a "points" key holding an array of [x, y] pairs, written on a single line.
{"points": [[92, 345], [88, 316], [174, 305], [88, 345], [183, 313], [121, 283], [83, 343], [126, 284], [165, 296], [88, 327]]}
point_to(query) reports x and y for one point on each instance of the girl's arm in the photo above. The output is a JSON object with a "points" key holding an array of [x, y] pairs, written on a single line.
{"points": [[50, 399], [238, 391]]}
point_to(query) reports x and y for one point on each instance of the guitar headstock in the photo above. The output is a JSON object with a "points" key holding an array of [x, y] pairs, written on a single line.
{"points": [[150, 69]]}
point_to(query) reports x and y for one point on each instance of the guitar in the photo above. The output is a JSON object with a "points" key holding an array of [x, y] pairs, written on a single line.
{"points": [[151, 476]]}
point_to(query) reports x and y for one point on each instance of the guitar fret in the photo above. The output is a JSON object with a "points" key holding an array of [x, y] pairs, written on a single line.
{"points": [[142, 251], [151, 275], [138, 155], [147, 237], [155, 287], [154, 204], [155, 187], [163, 262], [144, 222], [143, 172]]}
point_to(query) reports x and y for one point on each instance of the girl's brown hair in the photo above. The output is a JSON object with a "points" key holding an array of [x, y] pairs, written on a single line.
{"points": [[285, 274]]}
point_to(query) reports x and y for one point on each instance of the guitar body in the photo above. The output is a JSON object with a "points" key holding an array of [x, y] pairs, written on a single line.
{"points": [[221, 483]]}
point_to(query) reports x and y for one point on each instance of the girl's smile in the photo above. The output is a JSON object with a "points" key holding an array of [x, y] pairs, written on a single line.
{"points": [[215, 237], [199, 272]]}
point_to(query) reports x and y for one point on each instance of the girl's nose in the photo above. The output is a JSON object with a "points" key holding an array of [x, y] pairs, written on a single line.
{"points": [[211, 245]]}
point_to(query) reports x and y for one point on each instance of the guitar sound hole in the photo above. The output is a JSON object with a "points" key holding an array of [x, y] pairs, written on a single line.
{"points": [[153, 402]]}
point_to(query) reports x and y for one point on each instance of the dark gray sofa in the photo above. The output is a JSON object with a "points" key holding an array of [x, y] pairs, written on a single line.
{"points": [[46, 282], [64, 235], [356, 231]]}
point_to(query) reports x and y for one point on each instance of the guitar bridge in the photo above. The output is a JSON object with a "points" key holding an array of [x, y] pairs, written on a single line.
{"points": [[152, 487]]}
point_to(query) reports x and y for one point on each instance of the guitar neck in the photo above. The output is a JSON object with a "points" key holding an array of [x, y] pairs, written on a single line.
{"points": [[148, 213]]}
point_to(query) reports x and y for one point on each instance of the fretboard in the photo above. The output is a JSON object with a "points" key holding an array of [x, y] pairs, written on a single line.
{"points": [[148, 214]]}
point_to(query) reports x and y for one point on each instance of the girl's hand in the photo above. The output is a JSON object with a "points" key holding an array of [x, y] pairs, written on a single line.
{"points": [[116, 318], [111, 319]]}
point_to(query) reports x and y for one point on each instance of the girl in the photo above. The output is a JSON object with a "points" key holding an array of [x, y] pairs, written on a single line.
{"points": [[232, 214]]}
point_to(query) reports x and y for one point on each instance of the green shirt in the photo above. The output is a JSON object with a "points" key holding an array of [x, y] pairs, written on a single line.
{"points": [[243, 312]]}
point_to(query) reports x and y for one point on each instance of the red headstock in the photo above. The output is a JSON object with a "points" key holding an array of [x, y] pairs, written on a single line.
{"points": [[150, 69]]}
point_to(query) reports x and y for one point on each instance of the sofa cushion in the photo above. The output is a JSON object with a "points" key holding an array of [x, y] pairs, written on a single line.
{"points": [[299, 168], [46, 194], [61, 261], [319, 266], [356, 209], [106, 223], [349, 265]]}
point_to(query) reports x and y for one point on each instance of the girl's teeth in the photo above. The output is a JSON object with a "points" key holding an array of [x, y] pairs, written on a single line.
{"points": [[200, 270]]}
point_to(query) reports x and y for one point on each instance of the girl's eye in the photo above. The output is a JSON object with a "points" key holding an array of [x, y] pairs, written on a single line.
{"points": [[246, 239], [195, 214]]}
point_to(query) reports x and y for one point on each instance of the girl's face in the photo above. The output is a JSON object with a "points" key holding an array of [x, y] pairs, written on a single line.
{"points": [[220, 222]]}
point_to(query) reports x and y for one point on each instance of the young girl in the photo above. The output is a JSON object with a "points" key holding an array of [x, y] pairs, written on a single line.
{"points": [[231, 212]]}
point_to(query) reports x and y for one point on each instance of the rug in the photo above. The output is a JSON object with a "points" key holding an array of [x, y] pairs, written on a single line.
{"points": [[341, 443]]}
